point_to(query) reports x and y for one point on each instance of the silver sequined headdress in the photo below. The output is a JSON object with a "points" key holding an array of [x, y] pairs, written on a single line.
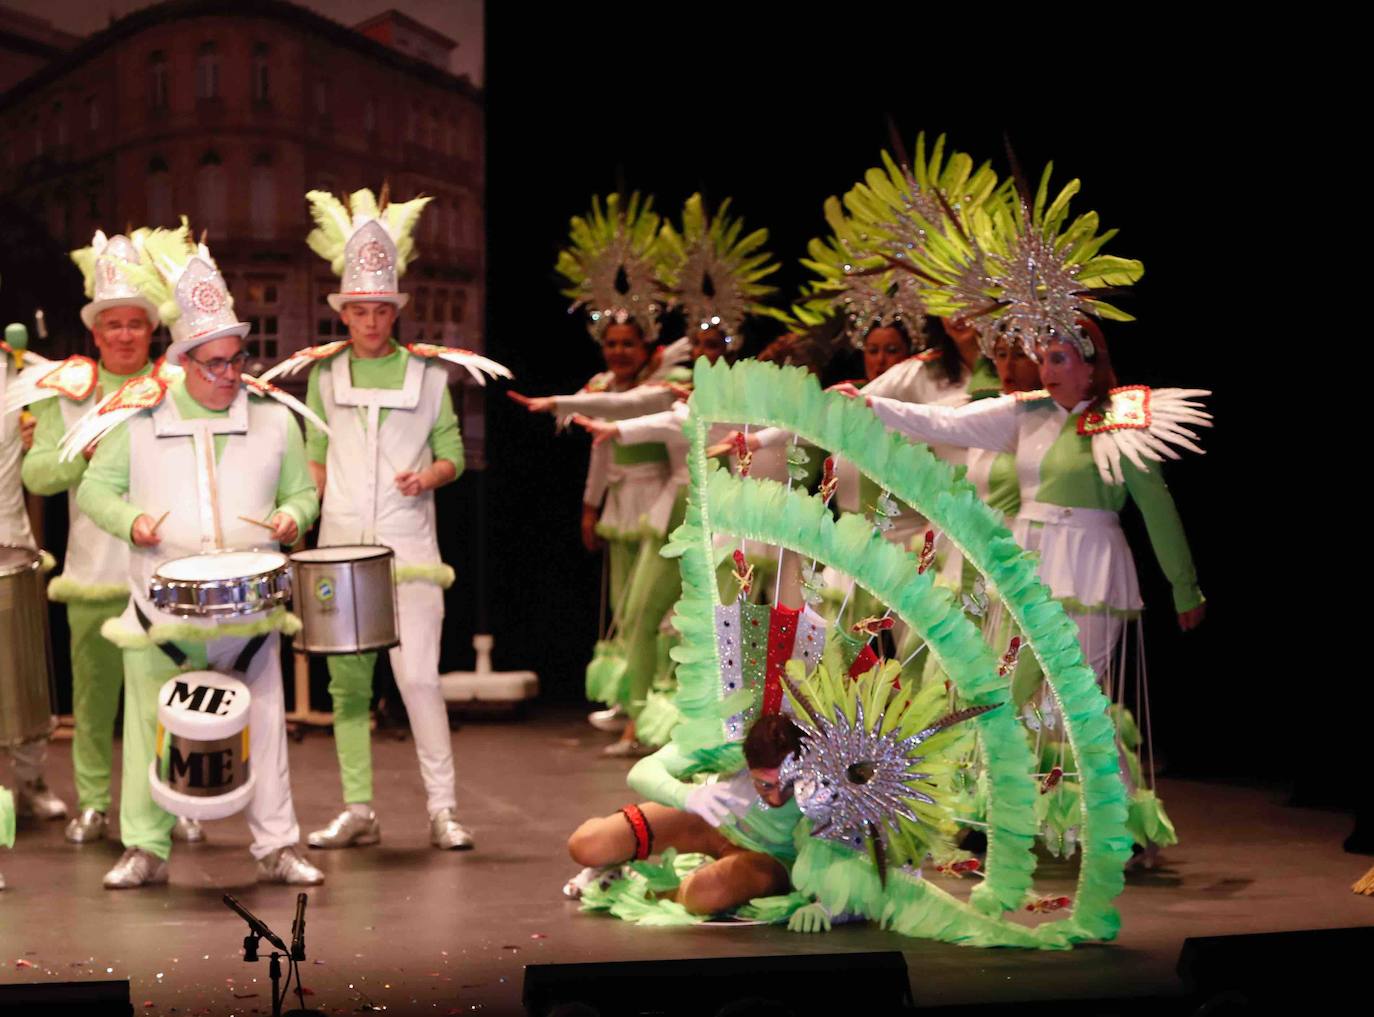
{"points": [[106, 284], [368, 243], [615, 266]]}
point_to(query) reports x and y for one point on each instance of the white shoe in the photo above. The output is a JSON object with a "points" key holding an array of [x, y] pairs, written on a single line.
{"points": [[37, 799], [88, 826], [285, 865], [631, 749], [446, 833], [613, 719], [348, 829], [188, 830], [602, 875], [134, 869]]}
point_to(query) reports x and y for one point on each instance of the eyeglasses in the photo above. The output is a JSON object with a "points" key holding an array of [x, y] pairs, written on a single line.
{"points": [[219, 365]]}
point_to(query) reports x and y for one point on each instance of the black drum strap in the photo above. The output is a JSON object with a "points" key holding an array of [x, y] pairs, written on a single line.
{"points": [[249, 651], [172, 650]]}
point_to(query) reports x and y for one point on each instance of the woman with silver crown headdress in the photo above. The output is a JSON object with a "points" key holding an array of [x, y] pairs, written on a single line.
{"points": [[393, 439], [1081, 445], [616, 272], [188, 464], [716, 276]]}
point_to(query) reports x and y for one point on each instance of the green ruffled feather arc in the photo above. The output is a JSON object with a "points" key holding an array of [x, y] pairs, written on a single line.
{"points": [[278, 620]]}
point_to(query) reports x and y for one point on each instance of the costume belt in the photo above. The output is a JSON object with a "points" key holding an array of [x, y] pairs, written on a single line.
{"points": [[1063, 515]]}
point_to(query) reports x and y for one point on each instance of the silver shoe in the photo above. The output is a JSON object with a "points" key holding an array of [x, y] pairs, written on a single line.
{"points": [[285, 865], [188, 830], [613, 719], [631, 749], [446, 833], [37, 799], [348, 829], [136, 868], [88, 826]]}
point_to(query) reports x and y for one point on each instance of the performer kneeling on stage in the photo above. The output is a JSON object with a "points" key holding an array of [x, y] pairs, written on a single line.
{"points": [[752, 841], [203, 468]]}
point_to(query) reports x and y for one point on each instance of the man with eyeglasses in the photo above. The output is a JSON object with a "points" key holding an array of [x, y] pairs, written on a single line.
{"points": [[192, 466], [94, 583]]}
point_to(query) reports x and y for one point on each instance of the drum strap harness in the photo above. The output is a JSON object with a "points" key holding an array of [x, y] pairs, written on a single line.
{"points": [[178, 655]]}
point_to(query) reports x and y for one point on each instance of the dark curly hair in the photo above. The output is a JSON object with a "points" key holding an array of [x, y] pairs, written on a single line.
{"points": [[770, 741]]}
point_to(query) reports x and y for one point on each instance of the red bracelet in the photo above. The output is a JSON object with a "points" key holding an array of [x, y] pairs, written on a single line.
{"points": [[639, 826]]}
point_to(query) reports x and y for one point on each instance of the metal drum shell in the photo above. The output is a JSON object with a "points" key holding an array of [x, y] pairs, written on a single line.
{"points": [[218, 598], [346, 604], [26, 676]]}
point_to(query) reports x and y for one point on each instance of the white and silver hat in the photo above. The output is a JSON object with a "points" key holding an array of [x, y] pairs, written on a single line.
{"points": [[207, 309], [369, 273], [106, 284]]}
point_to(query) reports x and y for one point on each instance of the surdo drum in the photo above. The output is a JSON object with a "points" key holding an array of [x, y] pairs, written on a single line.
{"points": [[201, 767], [346, 598], [221, 584], [25, 661]]}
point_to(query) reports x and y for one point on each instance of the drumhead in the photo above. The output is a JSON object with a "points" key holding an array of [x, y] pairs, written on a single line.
{"points": [[16, 559], [342, 553], [220, 565]]}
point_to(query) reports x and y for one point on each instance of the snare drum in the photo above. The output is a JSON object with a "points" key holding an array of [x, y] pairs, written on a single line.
{"points": [[346, 599], [221, 583], [26, 678], [200, 769]]}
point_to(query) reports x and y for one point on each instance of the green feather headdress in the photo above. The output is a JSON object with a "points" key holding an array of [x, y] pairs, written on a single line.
{"points": [[615, 266], [335, 223], [716, 273]]}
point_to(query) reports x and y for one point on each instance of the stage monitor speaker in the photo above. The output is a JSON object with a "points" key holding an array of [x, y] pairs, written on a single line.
{"points": [[788, 986], [105, 998], [1259, 971]]}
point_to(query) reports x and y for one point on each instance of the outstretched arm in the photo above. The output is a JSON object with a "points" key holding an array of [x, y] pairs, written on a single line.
{"points": [[988, 423]]}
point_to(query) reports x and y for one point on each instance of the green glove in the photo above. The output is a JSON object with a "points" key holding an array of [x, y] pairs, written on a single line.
{"points": [[812, 918]]}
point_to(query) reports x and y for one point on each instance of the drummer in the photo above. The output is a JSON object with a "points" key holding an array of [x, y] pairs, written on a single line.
{"points": [[395, 439], [94, 583], [32, 795], [203, 468]]}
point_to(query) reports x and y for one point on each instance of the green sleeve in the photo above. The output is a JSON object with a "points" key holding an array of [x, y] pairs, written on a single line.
{"points": [[445, 441], [296, 494], [102, 490], [1156, 504], [316, 441], [42, 472], [656, 777]]}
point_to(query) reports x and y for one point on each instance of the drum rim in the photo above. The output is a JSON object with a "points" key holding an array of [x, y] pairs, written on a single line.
{"points": [[284, 560], [377, 552], [34, 563]]}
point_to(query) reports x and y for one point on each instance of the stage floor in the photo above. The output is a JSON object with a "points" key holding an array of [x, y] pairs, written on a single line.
{"points": [[403, 927]]}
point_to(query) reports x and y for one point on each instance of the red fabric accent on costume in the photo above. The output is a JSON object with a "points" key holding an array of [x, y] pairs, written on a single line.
{"points": [[1127, 409], [142, 393], [865, 661], [639, 826], [782, 634]]}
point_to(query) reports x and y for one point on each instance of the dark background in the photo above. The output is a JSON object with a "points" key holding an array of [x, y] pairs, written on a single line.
{"points": [[1165, 152]]}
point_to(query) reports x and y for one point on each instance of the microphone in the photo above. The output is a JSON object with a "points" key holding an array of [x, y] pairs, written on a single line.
{"points": [[255, 923], [298, 929]]}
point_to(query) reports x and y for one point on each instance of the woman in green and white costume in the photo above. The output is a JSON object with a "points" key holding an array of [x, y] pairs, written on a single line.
{"points": [[716, 275], [394, 439], [616, 271], [1081, 445], [94, 583], [184, 468]]}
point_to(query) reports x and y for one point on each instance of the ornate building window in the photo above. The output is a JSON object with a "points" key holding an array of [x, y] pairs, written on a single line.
{"points": [[262, 78], [157, 80], [159, 193], [211, 194], [207, 71], [262, 194]]}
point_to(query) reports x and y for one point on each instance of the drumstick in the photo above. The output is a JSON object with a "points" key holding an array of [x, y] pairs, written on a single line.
{"points": [[258, 522], [160, 519]]}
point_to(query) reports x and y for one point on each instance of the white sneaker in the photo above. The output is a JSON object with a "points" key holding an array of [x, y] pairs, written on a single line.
{"points": [[134, 869], [285, 865], [613, 719], [602, 875]]}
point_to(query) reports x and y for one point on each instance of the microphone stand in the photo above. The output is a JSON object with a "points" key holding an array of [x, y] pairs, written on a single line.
{"points": [[257, 931]]}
